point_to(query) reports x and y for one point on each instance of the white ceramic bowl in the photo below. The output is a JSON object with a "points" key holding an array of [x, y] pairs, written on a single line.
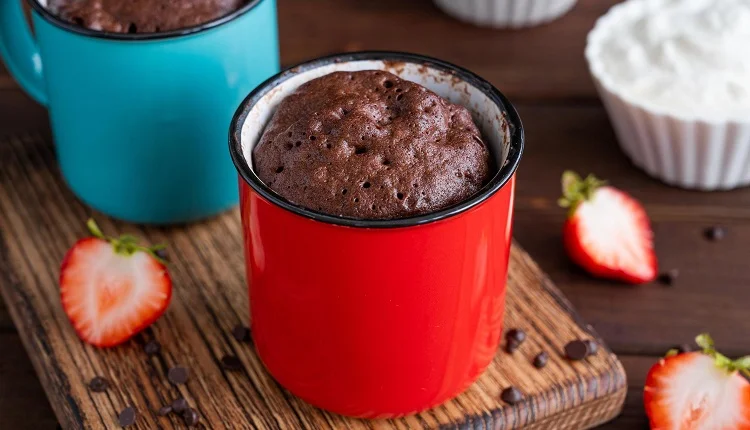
{"points": [[681, 150], [506, 13]]}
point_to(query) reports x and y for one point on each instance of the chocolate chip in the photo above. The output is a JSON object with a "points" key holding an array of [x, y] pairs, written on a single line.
{"points": [[683, 348], [541, 360], [98, 384], [162, 253], [577, 350], [241, 333], [126, 417], [231, 363], [513, 339], [177, 375], [180, 405], [511, 395], [191, 417], [593, 346], [668, 278], [511, 346], [516, 335], [714, 233], [152, 348], [164, 411]]}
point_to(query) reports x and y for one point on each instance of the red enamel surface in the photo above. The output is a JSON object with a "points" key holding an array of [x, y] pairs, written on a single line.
{"points": [[376, 322]]}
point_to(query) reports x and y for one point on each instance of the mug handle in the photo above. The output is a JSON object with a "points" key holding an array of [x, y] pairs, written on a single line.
{"points": [[19, 50]]}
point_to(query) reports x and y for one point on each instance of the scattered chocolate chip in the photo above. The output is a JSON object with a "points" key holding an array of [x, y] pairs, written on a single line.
{"points": [[668, 278], [164, 411], [516, 335], [231, 363], [98, 384], [593, 346], [511, 346], [241, 333], [513, 339], [683, 348], [511, 395], [714, 233], [152, 348], [191, 417], [126, 417], [177, 375], [180, 405], [541, 360], [577, 350]]}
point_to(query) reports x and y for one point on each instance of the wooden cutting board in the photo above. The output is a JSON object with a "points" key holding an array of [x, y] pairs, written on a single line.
{"points": [[40, 219]]}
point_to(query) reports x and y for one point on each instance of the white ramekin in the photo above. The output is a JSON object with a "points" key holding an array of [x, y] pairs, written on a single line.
{"points": [[506, 13], [680, 150]]}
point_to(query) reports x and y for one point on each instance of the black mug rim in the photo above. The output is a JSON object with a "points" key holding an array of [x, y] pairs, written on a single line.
{"points": [[502, 176], [65, 25]]}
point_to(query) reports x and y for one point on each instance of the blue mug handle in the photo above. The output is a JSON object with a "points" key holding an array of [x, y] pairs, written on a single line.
{"points": [[20, 51]]}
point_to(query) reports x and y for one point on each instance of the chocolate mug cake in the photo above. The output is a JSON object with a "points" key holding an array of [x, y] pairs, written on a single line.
{"points": [[371, 145]]}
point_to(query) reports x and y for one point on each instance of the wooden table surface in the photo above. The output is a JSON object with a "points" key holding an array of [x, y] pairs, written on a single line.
{"points": [[543, 72]]}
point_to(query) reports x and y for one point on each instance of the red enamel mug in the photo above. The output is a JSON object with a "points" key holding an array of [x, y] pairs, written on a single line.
{"points": [[378, 318]]}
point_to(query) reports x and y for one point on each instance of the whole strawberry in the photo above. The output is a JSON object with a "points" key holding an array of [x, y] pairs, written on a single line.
{"points": [[607, 232], [112, 288], [698, 390]]}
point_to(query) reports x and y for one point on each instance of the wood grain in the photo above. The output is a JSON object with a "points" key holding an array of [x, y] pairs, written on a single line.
{"points": [[21, 392], [710, 294], [40, 220], [545, 62]]}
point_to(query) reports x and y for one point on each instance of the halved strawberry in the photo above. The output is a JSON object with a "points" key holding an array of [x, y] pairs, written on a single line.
{"points": [[698, 391], [607, 231], [112, 288]]}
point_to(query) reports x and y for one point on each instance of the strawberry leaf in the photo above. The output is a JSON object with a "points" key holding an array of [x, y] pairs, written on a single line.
{"points": [[94, 229], [575, 189], [126, 244], [742, 363], [705, 342], [723, 362], [570, 182]]}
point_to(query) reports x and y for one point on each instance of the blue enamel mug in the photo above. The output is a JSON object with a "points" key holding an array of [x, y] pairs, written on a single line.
{"points": [[140, 120]]}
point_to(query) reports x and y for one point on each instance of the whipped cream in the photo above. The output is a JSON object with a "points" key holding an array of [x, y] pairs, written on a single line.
{"points": [[687, 58]]}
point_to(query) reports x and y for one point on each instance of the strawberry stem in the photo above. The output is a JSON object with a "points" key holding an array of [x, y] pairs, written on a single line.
{"points": [[576, 190], [741, 364], [126, 244], [94, 229]]}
